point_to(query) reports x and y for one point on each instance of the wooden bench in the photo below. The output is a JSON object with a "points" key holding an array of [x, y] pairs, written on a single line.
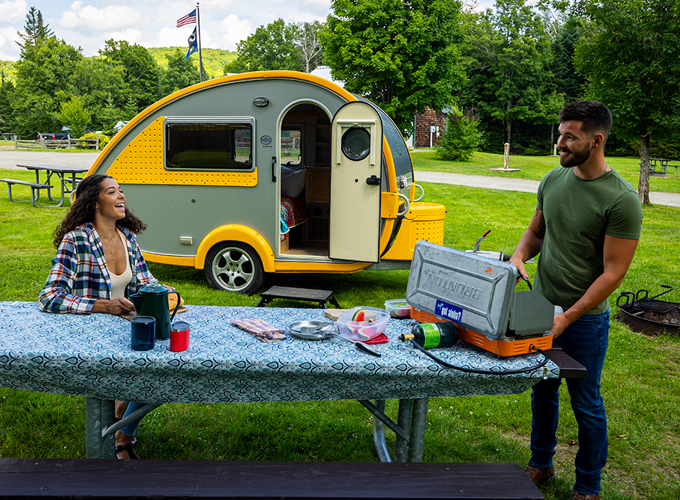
{"points": [[55, 478], [35, 187]]}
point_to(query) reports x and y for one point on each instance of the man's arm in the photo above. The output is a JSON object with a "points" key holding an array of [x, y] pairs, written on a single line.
{"points": [[618, 254], [530, 243]]}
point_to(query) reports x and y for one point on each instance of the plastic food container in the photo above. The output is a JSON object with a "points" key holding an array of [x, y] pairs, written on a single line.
{"points": [[363, 323], [398, 308]]}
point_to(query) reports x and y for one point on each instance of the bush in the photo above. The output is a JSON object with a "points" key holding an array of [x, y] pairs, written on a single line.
{"points": [[461, 137], [103, 139]]}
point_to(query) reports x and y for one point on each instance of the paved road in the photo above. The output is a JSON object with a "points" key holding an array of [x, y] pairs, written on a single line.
{"points": [[10, 158], [523, 185]]}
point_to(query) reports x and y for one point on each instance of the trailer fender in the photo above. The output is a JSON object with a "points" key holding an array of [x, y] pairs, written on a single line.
{"points": [[236, 232]]}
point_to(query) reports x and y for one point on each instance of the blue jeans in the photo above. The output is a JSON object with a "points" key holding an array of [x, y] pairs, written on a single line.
{"points": [[586, 341], [131, 429]]}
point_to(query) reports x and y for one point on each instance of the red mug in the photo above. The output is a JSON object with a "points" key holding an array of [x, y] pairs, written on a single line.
{"points": [[179, 336]]}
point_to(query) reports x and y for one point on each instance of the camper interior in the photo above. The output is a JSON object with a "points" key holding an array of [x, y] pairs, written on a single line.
{"points": [[305, 152]]}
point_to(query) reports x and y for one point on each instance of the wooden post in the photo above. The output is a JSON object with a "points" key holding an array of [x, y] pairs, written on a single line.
{"points": [[68, 141], [506, 155], [16, 141], [96, 144], [555, 150], [42, 142]]}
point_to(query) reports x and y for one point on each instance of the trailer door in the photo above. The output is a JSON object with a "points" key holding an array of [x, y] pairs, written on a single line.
{"points": [[356, 156]]}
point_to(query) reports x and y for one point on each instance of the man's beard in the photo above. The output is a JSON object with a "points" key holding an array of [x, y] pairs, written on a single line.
{"points": [[576, 158]]}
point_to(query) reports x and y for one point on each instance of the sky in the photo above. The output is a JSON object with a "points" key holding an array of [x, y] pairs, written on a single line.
{"points": [[152, 23]]}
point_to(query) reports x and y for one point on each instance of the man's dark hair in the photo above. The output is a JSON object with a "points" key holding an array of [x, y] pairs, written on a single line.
{"points": [[594, 115]]}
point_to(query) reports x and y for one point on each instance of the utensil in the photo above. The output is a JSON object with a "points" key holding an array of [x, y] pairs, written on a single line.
{"points": [[321, 330], [311, 330]]}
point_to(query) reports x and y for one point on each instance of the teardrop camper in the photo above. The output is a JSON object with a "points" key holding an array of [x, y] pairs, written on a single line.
{"points": [[270, 172]]}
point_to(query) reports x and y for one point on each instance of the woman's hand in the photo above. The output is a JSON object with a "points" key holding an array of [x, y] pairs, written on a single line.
{"points": [[116, 306]]}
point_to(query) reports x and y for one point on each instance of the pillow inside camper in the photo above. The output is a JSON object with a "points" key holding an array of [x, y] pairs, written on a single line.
{"points": [[292, 181]]}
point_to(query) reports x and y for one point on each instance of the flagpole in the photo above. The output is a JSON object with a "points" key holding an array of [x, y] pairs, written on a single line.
{"points": [[198, 32]]}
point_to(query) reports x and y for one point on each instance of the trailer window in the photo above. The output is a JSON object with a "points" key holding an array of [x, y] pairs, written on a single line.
{"points": [[209, 146]]}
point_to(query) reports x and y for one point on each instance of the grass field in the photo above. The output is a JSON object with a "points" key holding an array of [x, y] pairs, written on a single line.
{"points": [[641, 383]]}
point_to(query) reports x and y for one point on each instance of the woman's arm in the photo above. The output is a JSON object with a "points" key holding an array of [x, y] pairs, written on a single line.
{"points": [[58, 294]]}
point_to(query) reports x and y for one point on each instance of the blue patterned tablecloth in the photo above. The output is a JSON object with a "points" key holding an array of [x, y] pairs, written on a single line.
{"points": [[90, 355]]}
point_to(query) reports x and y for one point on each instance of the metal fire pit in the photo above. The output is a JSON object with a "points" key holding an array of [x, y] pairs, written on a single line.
{"points": [[634, 306]]}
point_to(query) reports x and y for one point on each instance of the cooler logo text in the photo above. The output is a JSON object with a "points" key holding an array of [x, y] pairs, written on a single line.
{"points": [[448, 311], [452, 285]]}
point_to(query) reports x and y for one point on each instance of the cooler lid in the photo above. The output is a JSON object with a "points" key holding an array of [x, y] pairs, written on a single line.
{"points": [[473, 291]]}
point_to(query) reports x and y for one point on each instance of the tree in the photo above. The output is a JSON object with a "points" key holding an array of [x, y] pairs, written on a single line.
{"points": [[629, 56], [139, 69], [100, 83], [461, 137], [44, 79], [271, 47], [181, 73], [401, 55], [35, 29], [507, 57], [6, 112], [566, 79], [74, 115], [309, 45]]}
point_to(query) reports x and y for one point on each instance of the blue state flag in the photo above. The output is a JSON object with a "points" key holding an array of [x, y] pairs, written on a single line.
{"points": [[193, 44]]}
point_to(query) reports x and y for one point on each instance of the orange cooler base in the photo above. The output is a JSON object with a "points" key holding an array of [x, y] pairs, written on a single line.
{"points": [[502, 348]]}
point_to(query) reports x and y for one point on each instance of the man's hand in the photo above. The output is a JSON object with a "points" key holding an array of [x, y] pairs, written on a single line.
{"points": [[521, 270], [560, 323]]}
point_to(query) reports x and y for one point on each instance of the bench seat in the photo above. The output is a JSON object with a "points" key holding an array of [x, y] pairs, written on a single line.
{"points": [[55, 478], [35, 187]]}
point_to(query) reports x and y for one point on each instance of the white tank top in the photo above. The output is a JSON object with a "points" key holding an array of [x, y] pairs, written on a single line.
{"points": [[119, 282]]}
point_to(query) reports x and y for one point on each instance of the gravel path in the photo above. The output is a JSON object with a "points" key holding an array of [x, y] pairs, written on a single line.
{"points": [[10, 157]]}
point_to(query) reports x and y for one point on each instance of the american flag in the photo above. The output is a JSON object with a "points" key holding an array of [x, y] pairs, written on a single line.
{"points": [[188, 19]]}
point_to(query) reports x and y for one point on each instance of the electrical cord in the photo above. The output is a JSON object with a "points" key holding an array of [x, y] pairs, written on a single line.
{"points": [[483, 372]]}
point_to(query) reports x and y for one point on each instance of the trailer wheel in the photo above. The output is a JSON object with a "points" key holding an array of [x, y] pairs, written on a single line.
{"points": [[234, 267]]}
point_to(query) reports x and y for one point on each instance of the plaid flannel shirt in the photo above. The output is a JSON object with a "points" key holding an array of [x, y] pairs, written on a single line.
{"points": [[79, 274]]}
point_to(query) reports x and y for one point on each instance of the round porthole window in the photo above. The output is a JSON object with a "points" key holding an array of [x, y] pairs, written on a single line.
{"points": [[356, 143]]}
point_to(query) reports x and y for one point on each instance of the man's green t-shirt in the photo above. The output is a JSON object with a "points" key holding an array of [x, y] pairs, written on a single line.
{"points": [[578, 214]]}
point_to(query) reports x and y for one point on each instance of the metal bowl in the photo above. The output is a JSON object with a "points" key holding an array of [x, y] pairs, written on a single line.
{"points": [[312, 330]]}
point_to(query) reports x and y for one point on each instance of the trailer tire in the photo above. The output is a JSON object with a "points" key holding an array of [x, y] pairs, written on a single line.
{"points": [[234, 267]]}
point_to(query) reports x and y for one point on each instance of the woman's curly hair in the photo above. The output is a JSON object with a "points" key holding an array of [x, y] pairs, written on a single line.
{"points": [[83, 209]]}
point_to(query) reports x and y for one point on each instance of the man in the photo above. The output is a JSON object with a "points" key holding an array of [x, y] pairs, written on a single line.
{"points": [[586, 227]]}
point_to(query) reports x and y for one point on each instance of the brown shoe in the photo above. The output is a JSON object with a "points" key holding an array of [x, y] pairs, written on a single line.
{"points": [[583, 496], [539, 476]]}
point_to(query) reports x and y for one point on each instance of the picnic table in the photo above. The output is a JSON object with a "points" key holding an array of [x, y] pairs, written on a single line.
{"points": [[90, 356], [660, 165], [68, 184]]}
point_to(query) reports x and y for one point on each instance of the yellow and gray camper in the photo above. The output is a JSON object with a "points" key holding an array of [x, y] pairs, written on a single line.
{"points": [[270, 172]]}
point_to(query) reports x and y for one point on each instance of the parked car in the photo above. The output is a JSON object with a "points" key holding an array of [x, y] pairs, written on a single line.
{"points": [[60, 136]]}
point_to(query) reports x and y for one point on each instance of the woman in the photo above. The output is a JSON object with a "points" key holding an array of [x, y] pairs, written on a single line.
{"points": [[98, 264]]}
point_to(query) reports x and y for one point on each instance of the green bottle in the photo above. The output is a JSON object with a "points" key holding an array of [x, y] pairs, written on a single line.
{"points": [[431, 335]]}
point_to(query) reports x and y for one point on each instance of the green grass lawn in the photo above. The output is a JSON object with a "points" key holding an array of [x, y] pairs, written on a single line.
{"points": [[641, 383], [535, 167]]}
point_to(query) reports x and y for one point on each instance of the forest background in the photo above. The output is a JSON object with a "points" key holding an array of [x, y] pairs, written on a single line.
{"points": [[510, 68]]}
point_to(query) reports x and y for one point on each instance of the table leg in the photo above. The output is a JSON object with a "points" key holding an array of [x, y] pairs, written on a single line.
{"points": [[99, 414], [379, 435], [62, 180], [417, 435], [47, 181], [404, 419]]}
